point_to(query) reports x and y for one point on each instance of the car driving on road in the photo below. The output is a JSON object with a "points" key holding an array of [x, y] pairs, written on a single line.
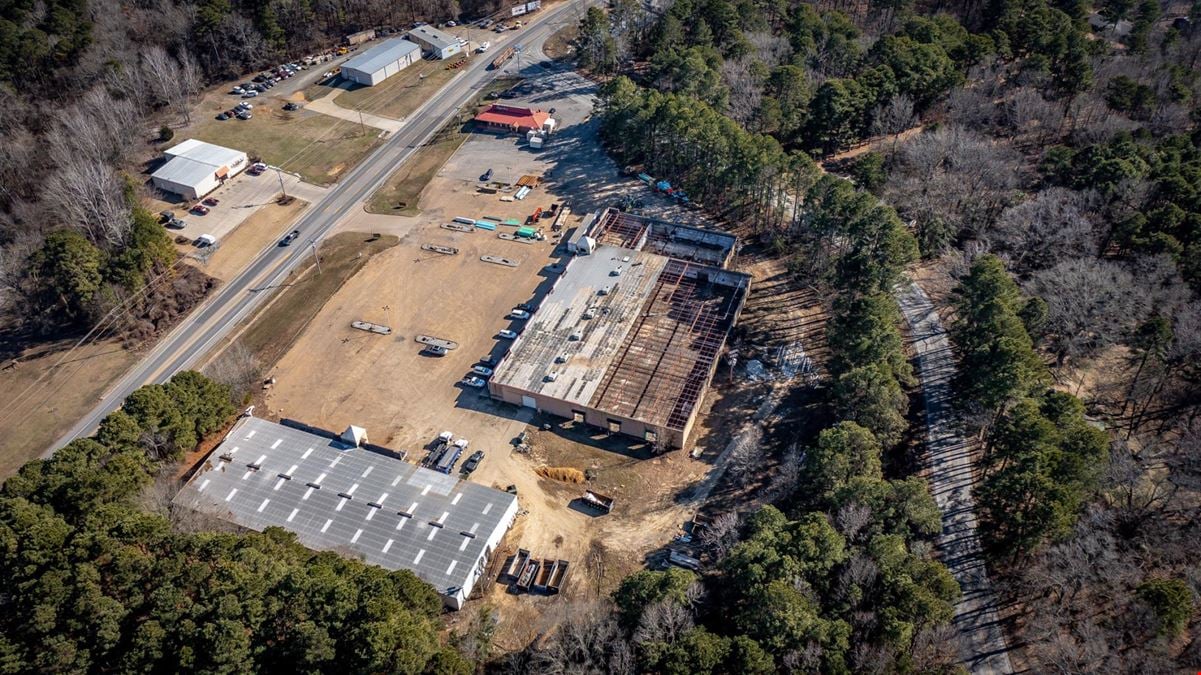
{"points": [[291, 237]]}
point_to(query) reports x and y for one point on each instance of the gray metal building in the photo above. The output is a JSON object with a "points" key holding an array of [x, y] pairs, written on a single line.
{"points": [[336, 496], [440, 44], [381, 61]]}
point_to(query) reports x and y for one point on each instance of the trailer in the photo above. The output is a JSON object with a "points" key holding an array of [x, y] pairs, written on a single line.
{"points": [[517, 564], [686, 561], [527, 575], [502, 58], [557, 577], [371, 327], [446, 462], [463, 219], [596, 500], [542, 579]]}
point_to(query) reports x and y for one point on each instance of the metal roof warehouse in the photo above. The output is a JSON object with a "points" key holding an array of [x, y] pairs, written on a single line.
{"points": [[334, 495], [381, 61]]}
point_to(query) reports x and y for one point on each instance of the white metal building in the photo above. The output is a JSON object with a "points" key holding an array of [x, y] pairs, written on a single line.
{"points": [[381, 61], [359, 501], [438, 43], [195, 168]]}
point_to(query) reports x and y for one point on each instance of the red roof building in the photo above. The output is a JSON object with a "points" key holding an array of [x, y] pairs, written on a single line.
{"points": [[513, 119]]}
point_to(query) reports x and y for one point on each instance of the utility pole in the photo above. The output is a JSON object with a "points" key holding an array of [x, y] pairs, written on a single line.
{"points": [[280, 175], [316, 257]]}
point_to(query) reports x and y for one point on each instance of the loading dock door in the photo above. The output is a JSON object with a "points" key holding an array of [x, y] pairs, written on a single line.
{"points": [[577, 416], [529, 402]]}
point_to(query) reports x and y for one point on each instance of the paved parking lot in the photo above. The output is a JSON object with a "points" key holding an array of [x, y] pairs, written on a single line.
{"points": [[240, 197]]}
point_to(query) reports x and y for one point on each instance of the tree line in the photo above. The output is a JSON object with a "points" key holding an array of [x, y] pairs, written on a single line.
{"points": [[97, 579]]}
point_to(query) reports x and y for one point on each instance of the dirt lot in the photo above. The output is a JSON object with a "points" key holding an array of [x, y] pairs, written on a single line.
{"points": [[318, 147], [32, 417], [268, 224], [405, 399]]}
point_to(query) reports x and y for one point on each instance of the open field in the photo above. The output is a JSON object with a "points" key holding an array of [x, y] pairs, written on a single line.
{"points": [[268, 224], [559, 44], [318, 147], [31, 418], [277, 327]]}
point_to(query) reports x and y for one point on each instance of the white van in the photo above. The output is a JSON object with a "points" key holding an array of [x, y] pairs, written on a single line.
{"points": [[483, 47]]}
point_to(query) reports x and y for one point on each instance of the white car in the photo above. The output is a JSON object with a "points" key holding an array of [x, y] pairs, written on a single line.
{"points": [[519, 314], [237, 90], [473, 382], [482, 371], [451, 24], [246, 106], [250, 94], [507, 334], [483, 47]]}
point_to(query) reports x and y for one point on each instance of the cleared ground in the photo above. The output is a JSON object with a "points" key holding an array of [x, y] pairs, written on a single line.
{"points": [[334, 375], [32, 417], [268, 224], [318, 147]]}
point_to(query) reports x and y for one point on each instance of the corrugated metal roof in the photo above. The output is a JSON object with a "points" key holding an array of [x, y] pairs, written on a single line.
{"points": [[434, 36], [385, 53], [337, 497]]}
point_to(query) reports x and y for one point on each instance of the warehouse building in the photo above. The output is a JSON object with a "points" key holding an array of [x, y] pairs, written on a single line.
{"points": [[337, 495], [195, 168], [436, 43], [381, 62], [630, 334]]}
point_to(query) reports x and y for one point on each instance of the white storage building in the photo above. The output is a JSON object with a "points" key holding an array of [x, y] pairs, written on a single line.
{"points": [[195, 168], [381, 61], [438, 43]]}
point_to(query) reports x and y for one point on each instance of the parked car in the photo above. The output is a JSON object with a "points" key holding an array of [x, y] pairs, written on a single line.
{"points": [[482, 371], [175, 224], [527, 306], [244, 105], [473, 461], [507, 334], [244, 115], [451, 24], [519, 314], [291, 237], [260, 78], [211, 201], [473, 382], [237, 90], [222, 116], [291, 106], [200, 209], [256, 169], [483, 47], [250, 94], [487, 175]]}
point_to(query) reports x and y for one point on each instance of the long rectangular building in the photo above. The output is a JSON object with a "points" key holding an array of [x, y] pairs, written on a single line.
{"points": [[335, 495], [630, 334]]}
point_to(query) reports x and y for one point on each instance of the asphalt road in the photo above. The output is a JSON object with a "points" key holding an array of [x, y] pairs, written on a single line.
{"points": [[204, 328], [982, 645]]}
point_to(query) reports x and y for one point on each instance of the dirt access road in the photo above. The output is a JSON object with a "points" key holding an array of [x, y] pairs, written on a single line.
{"points": [[951, 475]]}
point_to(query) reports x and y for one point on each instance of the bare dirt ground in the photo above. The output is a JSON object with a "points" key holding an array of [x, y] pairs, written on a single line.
{"points": [[269, 223], [34, 413]]}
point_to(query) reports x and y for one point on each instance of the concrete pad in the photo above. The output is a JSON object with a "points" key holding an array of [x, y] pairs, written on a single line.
{"points": [[240, 197]]}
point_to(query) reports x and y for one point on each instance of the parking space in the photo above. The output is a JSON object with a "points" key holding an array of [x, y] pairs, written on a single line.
{"points": [[240, 198]]}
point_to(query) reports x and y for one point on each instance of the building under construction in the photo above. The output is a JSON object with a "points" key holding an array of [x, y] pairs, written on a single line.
{"points": [[629, 335]]}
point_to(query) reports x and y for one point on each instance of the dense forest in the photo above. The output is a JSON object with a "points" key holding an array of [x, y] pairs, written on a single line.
{"points": [[100, 576], [1043, 158]]}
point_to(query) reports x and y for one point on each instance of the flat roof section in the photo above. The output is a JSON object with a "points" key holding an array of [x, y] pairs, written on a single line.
{"points": [[673, 240], [385, 53], [336, 497], [558, 339]]}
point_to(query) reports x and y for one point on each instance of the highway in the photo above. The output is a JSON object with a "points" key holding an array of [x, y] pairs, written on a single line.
{"points": [[222, 312]]}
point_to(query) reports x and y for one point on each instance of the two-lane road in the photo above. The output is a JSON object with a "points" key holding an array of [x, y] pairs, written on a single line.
{"points": [[220, 314]]}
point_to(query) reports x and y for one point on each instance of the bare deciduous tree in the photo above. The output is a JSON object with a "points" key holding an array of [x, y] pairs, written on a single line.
{"points": [[238, 368], [1051, 227], [720, 535], [87, 194]]}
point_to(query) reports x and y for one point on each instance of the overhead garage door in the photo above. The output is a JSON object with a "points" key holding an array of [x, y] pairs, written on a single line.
{"points": [[529, 402]]}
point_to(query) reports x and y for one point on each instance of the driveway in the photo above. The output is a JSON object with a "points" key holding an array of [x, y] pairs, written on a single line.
{"points": [[951, 475], [240, 197]]}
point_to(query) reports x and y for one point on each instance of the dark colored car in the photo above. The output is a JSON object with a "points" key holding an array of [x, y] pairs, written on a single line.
{"points": [[291, 106], [223, 116], [473, 461], [211, 201], [200, 210], [287, 241], [487, 175]]}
